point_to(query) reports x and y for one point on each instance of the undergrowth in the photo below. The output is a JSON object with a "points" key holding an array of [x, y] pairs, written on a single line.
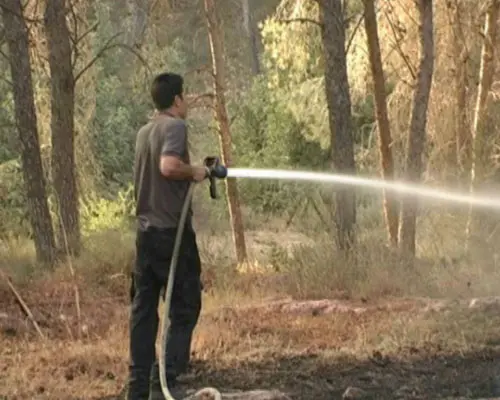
{"points": [[300, 260]]}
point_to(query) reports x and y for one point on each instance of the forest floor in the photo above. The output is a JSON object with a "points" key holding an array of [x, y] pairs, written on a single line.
{"points": [[388, 349], [252, 336]]}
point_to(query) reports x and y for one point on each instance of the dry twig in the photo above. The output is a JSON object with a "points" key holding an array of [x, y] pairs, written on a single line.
{"points": [[22, 304]]}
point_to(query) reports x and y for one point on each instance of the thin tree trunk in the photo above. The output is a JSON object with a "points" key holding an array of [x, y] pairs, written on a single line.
{"points": [[136, 24], [224, 130], [16, 35], [139, 10], [481, 145], [391, 208], [62, 125], [340, 117], [418, 125], [251, 36], [463, 137]]}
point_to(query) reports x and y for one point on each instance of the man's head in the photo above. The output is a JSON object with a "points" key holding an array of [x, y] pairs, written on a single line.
{"points": [[167, 92]]}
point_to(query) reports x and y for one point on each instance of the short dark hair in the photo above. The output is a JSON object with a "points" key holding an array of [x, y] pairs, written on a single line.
{"points": [[164, 89]]}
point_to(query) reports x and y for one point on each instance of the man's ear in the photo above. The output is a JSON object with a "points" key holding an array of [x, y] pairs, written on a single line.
{"points": [[178, 100]]}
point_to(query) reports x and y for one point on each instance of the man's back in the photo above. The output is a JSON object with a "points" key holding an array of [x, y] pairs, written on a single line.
{"points": [[159, 200]]}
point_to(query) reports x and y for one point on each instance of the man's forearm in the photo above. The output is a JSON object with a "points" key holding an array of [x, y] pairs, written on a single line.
{"points": [[178, 171]]}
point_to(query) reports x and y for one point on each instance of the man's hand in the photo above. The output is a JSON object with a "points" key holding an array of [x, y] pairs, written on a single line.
{"points": [[200, 173], [172, 167]]}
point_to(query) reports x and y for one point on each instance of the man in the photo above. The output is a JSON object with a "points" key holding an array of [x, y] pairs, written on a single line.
{"points": [[162, 177]]}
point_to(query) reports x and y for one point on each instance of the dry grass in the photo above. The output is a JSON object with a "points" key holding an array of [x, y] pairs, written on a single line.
{"points": [[380, 334], [255, 348]]}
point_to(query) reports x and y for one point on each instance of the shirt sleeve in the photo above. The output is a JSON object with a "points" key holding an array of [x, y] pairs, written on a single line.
{"points": [[174, 141]]}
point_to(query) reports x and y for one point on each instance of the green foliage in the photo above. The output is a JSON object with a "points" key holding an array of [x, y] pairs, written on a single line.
{"points": [[118, 117], [293, 57], [123, 103], [266, 135], [363, 113], [8, 135], [13, 212], [292, 49], [101, 214]]}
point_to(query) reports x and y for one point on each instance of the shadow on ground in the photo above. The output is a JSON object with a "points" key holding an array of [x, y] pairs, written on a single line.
{"points": [[412, 376]]}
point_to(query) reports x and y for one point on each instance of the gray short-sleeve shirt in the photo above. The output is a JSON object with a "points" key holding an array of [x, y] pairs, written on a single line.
{"points": [[159, 200]]}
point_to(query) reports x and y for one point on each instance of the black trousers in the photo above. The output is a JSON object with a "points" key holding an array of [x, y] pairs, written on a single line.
{"points": [[154, 252]]}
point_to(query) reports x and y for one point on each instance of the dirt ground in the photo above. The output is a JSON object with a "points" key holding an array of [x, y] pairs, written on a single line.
{"points": [[391, 349]]}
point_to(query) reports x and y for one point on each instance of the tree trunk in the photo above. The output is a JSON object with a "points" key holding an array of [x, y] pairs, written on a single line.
{"points": [[139, 10], [339, 107], [62, 125], [480, 134], [16, 35], [463, 137], [224, 131], [391, 209], [134, 25], [418, 125], [251, 36]]}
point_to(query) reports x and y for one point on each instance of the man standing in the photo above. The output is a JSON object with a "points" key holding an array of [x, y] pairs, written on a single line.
{"points": [[162, 177]]}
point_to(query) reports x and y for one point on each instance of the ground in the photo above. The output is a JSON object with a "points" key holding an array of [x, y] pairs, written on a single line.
{"points": [[391, 348]]}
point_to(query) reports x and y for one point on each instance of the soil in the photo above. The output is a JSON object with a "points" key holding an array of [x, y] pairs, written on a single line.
{"points": [[391, 349]]}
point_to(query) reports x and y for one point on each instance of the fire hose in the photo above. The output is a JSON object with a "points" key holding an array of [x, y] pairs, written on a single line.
{"points": [[215, 170]]}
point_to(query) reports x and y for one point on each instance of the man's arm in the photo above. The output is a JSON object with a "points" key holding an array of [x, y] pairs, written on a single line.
{"points": [[171, 164]]}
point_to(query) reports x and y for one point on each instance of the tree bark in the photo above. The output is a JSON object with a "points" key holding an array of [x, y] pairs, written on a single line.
{"points": [[340, 117], [480, 134], [16, 35], [218, 70], [62, 125], [139, 10], [251, 36], [391, 208], [463, 136], [418, 125]]}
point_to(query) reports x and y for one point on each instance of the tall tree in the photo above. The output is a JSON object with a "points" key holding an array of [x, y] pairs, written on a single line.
{"points": [[139, 10], [62, 125], [340, 115], [463, 136], [218, 70], [136, 25], [391, 209], [418, 124], [249, 26], [480, 133], [16, 35]]}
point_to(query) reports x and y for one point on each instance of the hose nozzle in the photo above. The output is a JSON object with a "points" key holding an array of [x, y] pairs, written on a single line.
{"points": [[215, 170]]}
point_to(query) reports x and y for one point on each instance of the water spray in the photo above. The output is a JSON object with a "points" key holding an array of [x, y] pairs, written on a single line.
{"points": [[349, 180]]}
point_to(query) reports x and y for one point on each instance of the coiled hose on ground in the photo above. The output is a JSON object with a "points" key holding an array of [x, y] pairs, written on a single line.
{"points": [[214, 393]]}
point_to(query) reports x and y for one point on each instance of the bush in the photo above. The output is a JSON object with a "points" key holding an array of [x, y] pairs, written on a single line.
{"points": [[117, 120], [266, 135]]}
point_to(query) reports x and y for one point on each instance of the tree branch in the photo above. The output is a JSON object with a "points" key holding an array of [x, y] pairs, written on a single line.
{"points": [[2, 53], [93, 28], [311, 21], [75, 23], [198, 70], [355, 30], [399, 48], [8, 82], [200, 97], [301, 20], [109, 46], [6, 9]]}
